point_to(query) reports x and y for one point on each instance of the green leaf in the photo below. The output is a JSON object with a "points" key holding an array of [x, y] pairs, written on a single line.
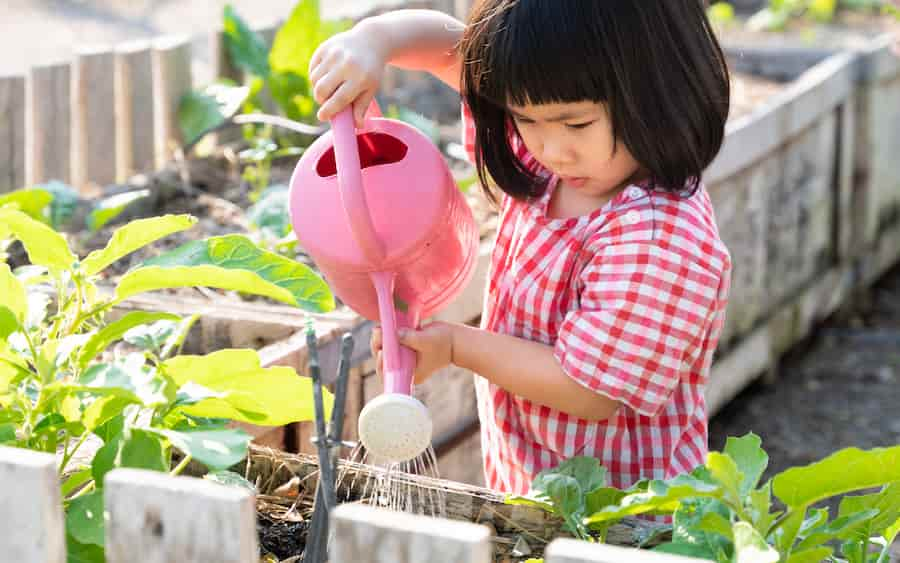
{"points": [[116, 330], [760, 508], [105, 460], [816, 555], [725, 471], [586, 471], [152, 337], [103, 409], [750, 547], [265, 396], [74, 481], [31, 201], [13, 298], [270, 214], [749, 458], [45, 247], [64, 202], [144, 450], [600, 498], [887, 504], [848, 470], [230, 479], [198, 112], [111, 429], [128, 380], [703, 524], [721, 12], [231, 262], [785, 534], [133, 236], [111, 207], [84, 519], [837, 528], [83, 553], [246, 48], [292, 93], [660, 496], [217, 449], [7, 432]]}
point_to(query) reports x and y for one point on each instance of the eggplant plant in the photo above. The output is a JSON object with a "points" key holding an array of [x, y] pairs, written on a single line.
{"points": [[102, 393]]}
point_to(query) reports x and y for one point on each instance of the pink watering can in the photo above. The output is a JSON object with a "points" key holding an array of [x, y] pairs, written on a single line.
{"points": [[380, 215]]}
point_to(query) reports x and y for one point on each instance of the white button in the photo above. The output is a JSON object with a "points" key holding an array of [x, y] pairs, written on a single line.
{"points": [[633, 217], [635, 192]]}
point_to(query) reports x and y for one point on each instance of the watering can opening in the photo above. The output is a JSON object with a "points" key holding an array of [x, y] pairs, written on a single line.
{"points": [[374, 149]]}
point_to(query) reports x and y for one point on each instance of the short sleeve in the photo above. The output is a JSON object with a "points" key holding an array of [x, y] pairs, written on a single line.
{"points": [[643, 312]]}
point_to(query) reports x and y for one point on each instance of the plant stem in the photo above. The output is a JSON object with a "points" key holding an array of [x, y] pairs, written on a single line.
{"points": [[87, 489], [181, 465], [67, 456]]}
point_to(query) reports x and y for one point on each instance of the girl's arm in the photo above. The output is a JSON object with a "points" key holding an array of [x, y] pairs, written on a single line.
{"points": [[525, 368], [423, 40], [348, 67]]}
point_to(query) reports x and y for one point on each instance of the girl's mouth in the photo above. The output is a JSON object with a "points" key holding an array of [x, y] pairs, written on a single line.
{"points": [[574, 181]]}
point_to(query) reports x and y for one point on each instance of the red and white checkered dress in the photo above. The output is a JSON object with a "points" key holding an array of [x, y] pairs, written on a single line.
{"points": [[632, 298]]}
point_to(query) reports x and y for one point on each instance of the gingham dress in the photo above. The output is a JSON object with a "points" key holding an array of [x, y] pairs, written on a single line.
{"points": [[632, 298]]}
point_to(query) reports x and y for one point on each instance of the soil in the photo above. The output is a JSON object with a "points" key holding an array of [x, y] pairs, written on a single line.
{"points": [[840, 389]]}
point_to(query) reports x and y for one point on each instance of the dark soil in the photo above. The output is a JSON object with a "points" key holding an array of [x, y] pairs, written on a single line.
{"points": [[838, 390]]}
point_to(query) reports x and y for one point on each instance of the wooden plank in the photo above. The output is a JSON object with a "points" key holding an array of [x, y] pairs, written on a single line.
{"points": [[157, 519], [93, 119], [171, 80], [462, 502], [573, 551], [134, 109], [12, 133], [33, 529], [47, 124], [366, 534]]}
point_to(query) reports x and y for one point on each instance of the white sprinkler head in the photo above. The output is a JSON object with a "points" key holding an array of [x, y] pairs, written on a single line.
{"points": [[395, 427]]}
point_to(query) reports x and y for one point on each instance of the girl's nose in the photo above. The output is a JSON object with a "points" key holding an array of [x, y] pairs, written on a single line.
{"points": [[556, 154]]}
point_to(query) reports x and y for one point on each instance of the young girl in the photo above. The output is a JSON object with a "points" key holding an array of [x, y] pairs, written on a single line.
{"points": [[608, 280]]}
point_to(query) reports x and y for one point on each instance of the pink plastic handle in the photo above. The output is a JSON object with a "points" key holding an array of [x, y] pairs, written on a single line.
{"points": [[349, 174], [399, 361]]}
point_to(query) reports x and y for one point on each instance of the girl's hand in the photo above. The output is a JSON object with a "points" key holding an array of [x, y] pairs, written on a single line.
{"points": [[433, 344], [347, 69]]}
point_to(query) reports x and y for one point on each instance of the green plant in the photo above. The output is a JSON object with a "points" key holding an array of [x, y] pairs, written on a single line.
{"points": [[65, 381], [720, 512], [777, 14]]}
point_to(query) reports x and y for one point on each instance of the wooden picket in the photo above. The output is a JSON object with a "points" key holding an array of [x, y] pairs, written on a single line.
{"points": [[12, 132], [134, 109], [93, 118], [153, 517], [33, 529], [47, 124]]}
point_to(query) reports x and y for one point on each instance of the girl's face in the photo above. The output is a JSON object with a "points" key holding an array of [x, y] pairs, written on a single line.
{"points": [[574, 140]]}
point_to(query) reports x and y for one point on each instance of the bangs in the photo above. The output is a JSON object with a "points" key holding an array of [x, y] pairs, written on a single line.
{"points": [[538, 52]]}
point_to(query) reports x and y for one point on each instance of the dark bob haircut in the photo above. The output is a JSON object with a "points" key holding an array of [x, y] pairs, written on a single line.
{"points": [[655, 64]]}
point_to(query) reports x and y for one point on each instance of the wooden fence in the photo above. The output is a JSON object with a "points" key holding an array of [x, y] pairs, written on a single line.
{"points": [[152, 517], [108, 113]]}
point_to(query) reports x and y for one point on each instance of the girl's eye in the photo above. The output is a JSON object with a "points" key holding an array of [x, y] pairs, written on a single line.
{"points": [[578, 125]]}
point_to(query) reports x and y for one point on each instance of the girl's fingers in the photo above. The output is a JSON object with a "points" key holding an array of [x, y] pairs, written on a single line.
{"points": [[378, 363], [375, 341], [326, 86], [341, 98], [360, 106]]}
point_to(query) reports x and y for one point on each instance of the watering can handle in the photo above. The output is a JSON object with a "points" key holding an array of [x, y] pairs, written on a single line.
{"points": [[353, 197]]}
